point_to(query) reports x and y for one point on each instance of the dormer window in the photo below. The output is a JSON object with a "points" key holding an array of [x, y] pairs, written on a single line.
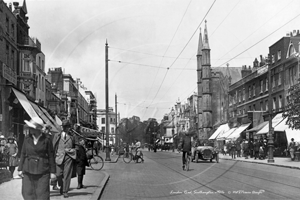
{"points": [[279, 55]]}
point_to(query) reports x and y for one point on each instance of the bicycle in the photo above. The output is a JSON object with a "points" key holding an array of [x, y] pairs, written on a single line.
{"points": [[96, 162], [128, 157]]}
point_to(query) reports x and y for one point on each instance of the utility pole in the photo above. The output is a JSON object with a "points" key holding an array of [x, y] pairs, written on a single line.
{"points": [[116, 131], [106, 103], [271, 130]]}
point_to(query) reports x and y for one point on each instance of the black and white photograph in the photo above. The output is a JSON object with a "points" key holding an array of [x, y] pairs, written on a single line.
{"points": [[149, 99]]}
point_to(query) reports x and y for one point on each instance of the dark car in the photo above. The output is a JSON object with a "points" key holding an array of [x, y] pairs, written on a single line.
{"points": [[206, 153], [166, 147]]}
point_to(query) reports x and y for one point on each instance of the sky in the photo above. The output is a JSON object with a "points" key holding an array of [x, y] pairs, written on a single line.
{"points": [[153, 43]]}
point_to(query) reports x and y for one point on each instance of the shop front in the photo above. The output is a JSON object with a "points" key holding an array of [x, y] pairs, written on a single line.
{"points": [[280, 139]]}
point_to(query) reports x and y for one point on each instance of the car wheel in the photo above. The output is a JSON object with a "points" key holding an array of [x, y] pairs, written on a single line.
{"points": [[196, 157]]}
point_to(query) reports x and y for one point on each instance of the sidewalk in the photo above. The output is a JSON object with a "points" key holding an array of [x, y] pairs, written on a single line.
{"points": [[278, 161], [94, 181]]}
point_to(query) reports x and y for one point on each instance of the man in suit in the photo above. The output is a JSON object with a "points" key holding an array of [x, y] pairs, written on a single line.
{"points": [[185, 145], [65, 153]]}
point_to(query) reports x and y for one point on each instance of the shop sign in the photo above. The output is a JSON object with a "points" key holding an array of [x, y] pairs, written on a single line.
{"points": [[9, 74]]}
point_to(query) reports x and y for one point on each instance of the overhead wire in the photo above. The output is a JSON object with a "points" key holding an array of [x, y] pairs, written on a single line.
{"points": [[182, 51], [261, 39], [165, 54]]}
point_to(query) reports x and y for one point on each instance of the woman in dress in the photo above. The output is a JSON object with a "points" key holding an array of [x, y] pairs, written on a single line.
{"points": [[12, 150], [37, 165]]}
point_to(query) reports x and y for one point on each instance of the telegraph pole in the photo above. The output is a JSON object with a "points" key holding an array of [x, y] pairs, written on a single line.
{"points": [[271, 130], [117, 136], [106, 103]]}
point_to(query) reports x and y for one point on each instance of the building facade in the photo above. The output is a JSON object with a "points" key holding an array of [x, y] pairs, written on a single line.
{"points": [[212, 87], [113, 121]]}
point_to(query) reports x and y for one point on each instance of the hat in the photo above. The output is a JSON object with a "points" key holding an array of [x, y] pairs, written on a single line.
{"points": [[66, 123], [2, 137], [35, 123], [11, 137]]}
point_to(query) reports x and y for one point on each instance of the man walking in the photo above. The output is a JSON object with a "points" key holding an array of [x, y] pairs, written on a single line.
{"points": [[64, 147]]}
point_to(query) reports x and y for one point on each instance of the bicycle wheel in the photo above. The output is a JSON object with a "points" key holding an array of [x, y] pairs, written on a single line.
{"points": [[127, 157], [97, 163]]}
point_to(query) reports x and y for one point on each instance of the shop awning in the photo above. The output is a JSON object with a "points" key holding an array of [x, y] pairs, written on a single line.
{"points": [[290, 133], [226, 134], [258, 127], [44, 117], [275, 121], [25, 103], [51, 119], [238, 131], [223, 128]]}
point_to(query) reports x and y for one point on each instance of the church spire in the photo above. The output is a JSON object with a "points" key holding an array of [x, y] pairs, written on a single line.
{"points": [[205, 39], [200, 45]]}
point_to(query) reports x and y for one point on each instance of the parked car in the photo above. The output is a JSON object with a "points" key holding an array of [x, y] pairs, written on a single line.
{"points": [[166, 147], [206, 153]]}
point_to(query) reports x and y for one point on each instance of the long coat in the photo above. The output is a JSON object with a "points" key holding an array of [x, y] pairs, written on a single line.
{"points": [[39, 158], [81, 160], [71, 151]]}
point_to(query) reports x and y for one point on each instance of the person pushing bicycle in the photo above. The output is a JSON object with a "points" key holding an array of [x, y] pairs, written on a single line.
{"points": [[185, 145], [137, 145]]}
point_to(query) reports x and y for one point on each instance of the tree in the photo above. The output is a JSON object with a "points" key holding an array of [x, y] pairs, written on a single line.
{"points": [[292, 111]]}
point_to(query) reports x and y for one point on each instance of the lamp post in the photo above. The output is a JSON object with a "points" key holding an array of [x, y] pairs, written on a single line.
{"points": [[173, 114], [271, 130]]}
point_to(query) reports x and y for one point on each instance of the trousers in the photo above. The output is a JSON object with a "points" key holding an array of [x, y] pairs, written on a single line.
{"points": [[36, 187], [64, 173]]}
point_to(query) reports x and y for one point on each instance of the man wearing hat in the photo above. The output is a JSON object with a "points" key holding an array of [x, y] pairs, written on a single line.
{"points": [[65, 153]]}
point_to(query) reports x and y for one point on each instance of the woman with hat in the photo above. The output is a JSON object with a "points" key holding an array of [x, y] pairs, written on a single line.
{"points": [[37, 165], [12, 150]]}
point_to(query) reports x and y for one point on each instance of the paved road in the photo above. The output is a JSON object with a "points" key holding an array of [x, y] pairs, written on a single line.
{"points": [[161, 177]]}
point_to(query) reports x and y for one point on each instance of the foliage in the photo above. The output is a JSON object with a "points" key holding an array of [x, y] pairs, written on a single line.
{"points": [[131, 129], [292, 111]]}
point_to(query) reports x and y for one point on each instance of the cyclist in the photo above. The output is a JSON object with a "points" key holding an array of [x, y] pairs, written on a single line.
{"points": [[185, 146], [137, 146]]}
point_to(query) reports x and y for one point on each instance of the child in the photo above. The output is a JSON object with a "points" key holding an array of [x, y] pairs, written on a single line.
{"points": [[82, 162], [261, 153]]}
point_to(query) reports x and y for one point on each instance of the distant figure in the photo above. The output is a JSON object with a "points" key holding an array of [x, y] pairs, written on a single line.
{"points": [[82, 162], [238, 149], [256, 149], [12, 150], [292, 146]]}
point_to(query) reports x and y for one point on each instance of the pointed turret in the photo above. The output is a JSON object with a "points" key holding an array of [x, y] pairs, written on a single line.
{"points": [[205, 39], [24, 7], [200, 45]]}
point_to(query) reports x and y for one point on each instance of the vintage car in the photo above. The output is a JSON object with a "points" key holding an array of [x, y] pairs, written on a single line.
{"points": [[206, 153]]}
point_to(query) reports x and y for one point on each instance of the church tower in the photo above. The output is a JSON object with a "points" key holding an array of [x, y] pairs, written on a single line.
{"points": [[199, 84], [205, 88]]}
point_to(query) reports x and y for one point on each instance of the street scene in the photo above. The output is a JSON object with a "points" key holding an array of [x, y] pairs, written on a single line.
{"points": [[143, 99]]}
